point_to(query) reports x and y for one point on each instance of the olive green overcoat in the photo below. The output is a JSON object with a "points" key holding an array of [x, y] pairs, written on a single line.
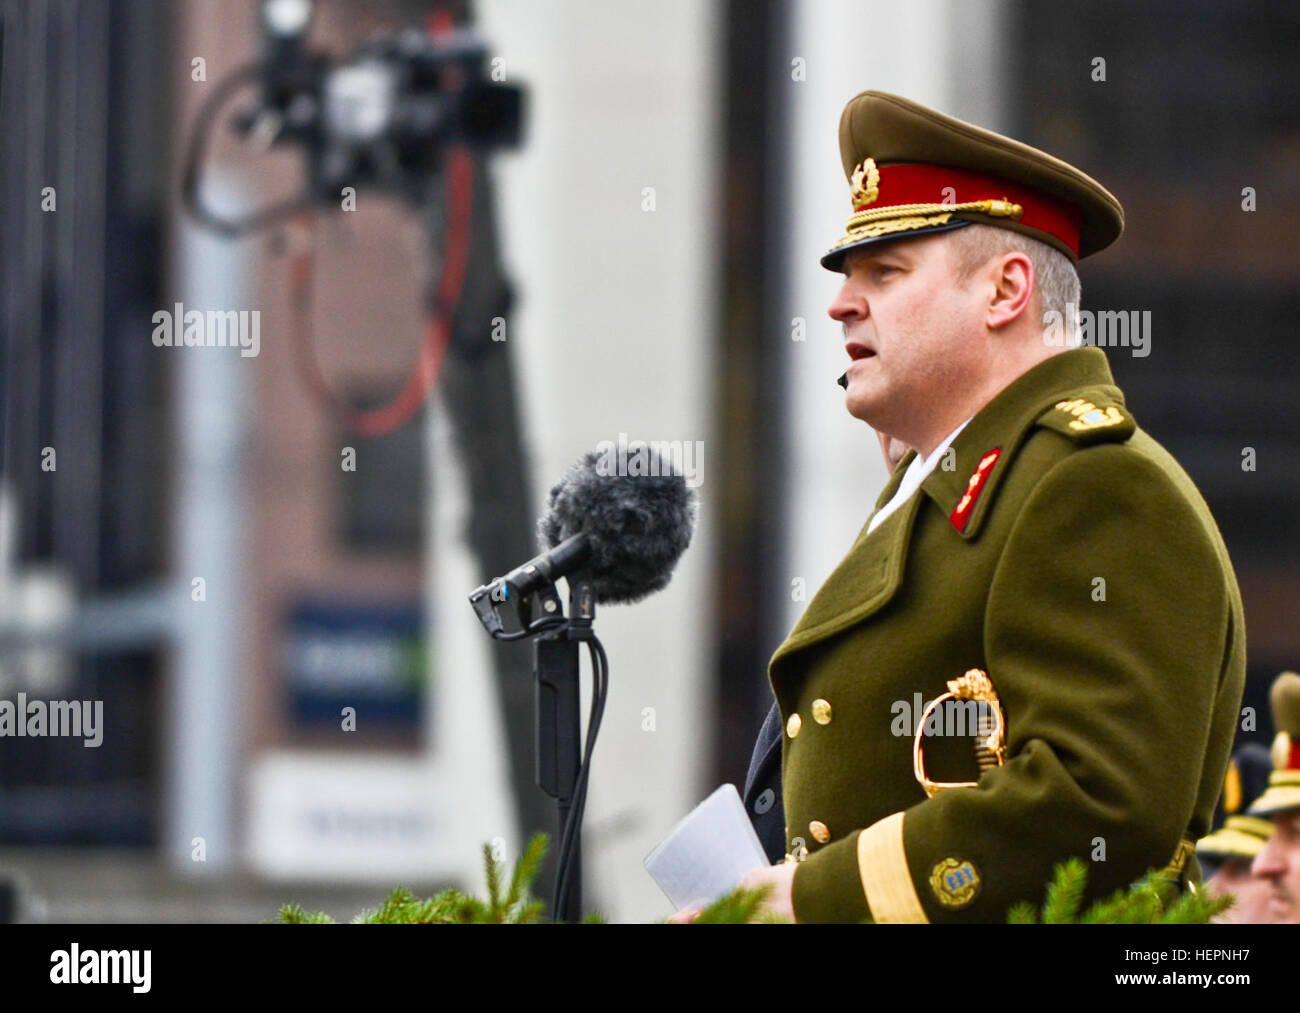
{"points": [[1064, 552]]}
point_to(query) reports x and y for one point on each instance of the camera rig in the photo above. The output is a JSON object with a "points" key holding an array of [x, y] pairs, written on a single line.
{"points": [[383, 118]]}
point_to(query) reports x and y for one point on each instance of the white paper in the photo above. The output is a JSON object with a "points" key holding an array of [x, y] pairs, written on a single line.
{"points": [[708, 852]]}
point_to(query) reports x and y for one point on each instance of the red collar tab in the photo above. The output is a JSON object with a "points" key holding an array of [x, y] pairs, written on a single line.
{"points": [[966, 505]]}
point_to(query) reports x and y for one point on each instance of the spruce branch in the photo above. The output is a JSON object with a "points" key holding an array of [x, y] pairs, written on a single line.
{"points": [[452, 907], [743, 906], [293, 914], [1152, 900], [492, 869], [526, 870], [1065, 893]]}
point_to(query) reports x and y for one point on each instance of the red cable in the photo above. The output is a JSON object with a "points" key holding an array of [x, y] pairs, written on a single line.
{"points": [[398, 411]]}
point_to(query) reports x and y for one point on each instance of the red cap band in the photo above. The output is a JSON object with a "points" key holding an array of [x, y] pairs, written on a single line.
{"points": [[931, 184]]}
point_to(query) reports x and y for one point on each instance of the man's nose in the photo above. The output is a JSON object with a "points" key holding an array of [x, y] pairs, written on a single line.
{"points": [[1271, 860], [848, 304]]}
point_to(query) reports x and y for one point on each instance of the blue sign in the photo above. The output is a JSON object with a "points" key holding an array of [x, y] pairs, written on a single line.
{"points": [[369, 656]]}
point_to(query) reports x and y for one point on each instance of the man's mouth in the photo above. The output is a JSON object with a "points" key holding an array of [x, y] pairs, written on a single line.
{"points": [[858, 351]]}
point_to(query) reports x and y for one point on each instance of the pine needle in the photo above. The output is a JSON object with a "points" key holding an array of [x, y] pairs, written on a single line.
{"points": [[493, 870], [293, 914], [1065, 893], [743, 906], [526, 870]]}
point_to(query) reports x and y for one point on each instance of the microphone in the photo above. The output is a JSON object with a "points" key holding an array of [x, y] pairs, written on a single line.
{"points": [[548, 567], [619, 535], [622, 534]]}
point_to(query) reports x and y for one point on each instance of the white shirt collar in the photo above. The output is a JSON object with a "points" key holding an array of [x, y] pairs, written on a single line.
{"points": [[916, 473]]}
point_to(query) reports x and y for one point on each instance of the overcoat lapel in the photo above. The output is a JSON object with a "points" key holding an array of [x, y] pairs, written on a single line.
{"points": [[870, 574], [865, 580]]}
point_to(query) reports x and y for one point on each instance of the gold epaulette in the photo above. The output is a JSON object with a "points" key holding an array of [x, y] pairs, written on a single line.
{"points": [[1087, 421]]}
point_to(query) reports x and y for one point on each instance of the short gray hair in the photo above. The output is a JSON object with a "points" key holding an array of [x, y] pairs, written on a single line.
{"points": [[1055, 278]]}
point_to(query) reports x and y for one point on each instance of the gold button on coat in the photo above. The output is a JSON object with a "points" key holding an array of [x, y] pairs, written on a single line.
{"points": [[821, 834], [793, 725], [821, 711]]}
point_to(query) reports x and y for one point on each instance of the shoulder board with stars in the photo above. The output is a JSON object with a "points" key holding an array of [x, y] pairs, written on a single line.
{"points": [[1087, 422]]}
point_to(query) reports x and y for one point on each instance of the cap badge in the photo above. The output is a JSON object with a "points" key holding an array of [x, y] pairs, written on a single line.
{"points": [[866, 183]]}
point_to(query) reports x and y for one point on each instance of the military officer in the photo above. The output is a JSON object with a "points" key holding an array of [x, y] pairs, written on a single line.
{"points": [[1278, 862], [1226, 854], [1035, 555]]}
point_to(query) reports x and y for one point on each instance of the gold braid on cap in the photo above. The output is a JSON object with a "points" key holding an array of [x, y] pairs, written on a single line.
{"points": [[990, 745], [867, 222]]}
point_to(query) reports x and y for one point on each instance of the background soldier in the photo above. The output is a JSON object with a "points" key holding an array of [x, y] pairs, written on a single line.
{"points": [[1227, 854], [1278, 862]]}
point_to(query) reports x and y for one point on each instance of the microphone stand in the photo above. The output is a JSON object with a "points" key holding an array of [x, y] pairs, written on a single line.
{"points": [[561, 770], [562, 766]]}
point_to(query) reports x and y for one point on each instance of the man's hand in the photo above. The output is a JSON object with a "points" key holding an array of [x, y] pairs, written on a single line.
{"points": [[780, 878], [686, 915], [780, 899]]}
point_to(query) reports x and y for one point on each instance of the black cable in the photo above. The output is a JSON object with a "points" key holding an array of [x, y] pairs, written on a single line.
{"points": [[571, 832], [197, 151], [541, 626], [573, 825]]}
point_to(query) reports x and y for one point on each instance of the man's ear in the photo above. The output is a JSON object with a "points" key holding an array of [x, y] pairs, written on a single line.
{"points": [[1012, 275]]}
